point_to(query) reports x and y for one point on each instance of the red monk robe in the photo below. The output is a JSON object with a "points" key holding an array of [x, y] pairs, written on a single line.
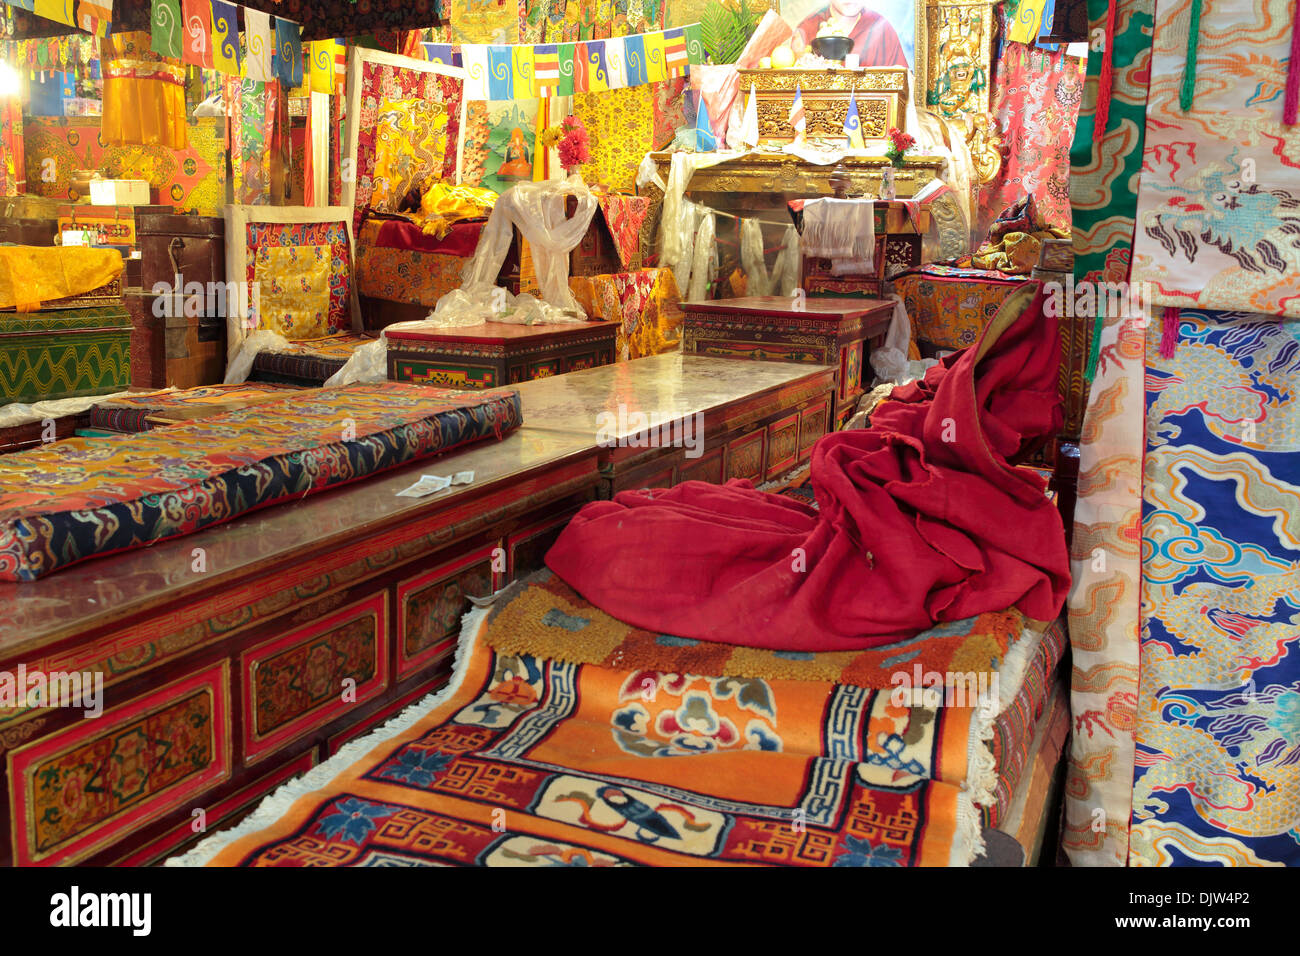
{"points": [[874, 39], [922, 519]]}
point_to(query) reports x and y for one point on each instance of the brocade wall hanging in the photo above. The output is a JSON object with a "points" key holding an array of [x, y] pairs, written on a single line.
{"points": [[1218, 732], [1219, 207], [190, 179], [1036, 96], [1103, 604], [299, 262], [375, 78]]}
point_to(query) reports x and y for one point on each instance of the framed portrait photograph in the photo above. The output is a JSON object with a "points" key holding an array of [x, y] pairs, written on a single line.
{"points": [[884, 32]]}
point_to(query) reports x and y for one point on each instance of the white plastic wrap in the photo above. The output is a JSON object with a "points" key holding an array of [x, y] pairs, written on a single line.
{"points": [[890, 361], [369, 363], [241, 365], [537, 209], [20, 413]]}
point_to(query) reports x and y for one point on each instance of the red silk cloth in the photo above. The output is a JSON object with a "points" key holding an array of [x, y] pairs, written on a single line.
{"points": [[922, 520], [399, 234]]}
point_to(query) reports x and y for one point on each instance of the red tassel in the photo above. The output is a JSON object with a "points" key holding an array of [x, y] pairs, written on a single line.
{"points": [[1292, 100], [1106, 78], [1169, 332]]}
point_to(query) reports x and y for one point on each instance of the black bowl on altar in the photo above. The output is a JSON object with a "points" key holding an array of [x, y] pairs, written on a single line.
{"points": [[832, 48]]}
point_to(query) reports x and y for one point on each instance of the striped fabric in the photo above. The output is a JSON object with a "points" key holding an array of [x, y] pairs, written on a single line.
{"points": [[1013, 731]]}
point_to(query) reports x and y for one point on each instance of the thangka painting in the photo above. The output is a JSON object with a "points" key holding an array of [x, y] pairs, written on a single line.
{"points": [[499, 143], [376, 78], [1219, 206], [191, 180], [486, 21], [884, 32]]}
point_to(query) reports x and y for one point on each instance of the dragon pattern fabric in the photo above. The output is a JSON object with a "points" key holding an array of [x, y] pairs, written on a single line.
{"points": [[1219, 205], [1106, 165], [1218, 712]]}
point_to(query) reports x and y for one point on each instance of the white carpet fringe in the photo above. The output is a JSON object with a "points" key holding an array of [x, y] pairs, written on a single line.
{"points": [[277, 804]]}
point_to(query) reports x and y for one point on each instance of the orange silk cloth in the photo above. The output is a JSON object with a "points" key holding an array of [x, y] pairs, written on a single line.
{"points": [[30, 275], [144, 95]]}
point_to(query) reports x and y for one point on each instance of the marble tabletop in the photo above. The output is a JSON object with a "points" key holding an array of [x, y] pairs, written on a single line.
{"points": [[562, 423]]}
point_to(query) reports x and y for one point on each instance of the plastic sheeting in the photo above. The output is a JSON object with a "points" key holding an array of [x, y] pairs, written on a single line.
{"points": [[537, 210], [890, 361], [20, 413], [239, 367]]}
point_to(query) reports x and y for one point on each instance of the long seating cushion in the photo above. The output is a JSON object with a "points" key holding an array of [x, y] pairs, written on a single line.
{"points": [[81, 498]]}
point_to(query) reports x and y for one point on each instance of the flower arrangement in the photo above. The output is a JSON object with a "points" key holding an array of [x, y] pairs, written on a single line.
{"points": [[570, 138], [899, 144]]}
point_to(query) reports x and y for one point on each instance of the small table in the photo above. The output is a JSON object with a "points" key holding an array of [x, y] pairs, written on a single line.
{"points": [[497, 353], [836, 332]]}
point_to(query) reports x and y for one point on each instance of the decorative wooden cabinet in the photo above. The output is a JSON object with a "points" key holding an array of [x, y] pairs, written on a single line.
{"points": [[498, 353]]}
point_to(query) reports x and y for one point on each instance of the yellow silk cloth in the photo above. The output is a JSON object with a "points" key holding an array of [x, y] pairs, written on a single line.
{"points": [[1016, 252], [443, 205], [30, 275], [294, 290], [144, 94]]}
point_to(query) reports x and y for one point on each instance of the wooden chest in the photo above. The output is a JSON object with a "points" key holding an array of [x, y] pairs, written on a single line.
{"points": [[64, 353], [835, 332], [498, 353], [179, 340]]}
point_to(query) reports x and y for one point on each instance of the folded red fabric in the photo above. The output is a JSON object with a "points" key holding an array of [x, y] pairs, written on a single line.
{"points": [[460, 241], [922, 519]]}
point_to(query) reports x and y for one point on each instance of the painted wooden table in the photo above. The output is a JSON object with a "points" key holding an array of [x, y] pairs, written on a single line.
{"points": [[497, 353], [237, 657], [835, 332]]}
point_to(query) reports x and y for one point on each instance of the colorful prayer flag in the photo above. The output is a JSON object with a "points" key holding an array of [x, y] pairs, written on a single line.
{"points": [[546, 69], [853, 125], [94, 16], [475, 62], [196, 46], [565, 53], [597, 67], [580, 68], [524, 62], [60, 11], [749, 127], [655, 58], [1029, 17], [288, 53], [261, 45], [501, 84], [443, 53], [705, 141], [675, 56], [165, 24], [615, 67], [797, 118], [320, 59], [634, 63], [225, 37], [694, 43]]}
